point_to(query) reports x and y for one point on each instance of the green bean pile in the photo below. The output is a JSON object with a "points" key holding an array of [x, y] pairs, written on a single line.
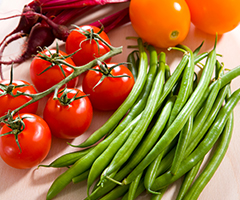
{"points": [[161, 132]]}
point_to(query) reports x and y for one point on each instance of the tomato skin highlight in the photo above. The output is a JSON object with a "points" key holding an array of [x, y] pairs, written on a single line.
{"points": [[161, 23], [68, 121], [110, 93], [53, 75], [34, 140], [89, 49], [9, 102], [215, 16]]}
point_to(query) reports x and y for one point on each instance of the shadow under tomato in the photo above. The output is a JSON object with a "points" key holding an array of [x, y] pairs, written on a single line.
{"points": [[195, 37]]}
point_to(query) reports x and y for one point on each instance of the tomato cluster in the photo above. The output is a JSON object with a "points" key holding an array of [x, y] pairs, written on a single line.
{"points": [[166, 23], [25, 138]]}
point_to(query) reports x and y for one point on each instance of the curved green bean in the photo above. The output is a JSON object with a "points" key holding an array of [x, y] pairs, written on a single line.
{"points": [[133, 187], [151, 173], [182, 143], [188, 180], [185, 87], [68, 159], [213, 164], [200, 130]]}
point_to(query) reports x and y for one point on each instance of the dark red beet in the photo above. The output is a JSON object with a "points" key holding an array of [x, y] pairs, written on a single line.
{"points": [[25, 23], [40, 36]]}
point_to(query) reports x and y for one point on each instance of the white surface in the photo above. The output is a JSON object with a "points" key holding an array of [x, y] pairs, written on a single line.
{"points": [[33, 184]]}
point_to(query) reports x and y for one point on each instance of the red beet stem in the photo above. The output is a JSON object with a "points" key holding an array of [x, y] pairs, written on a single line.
{"points": [[112, 21], [65, 4]]}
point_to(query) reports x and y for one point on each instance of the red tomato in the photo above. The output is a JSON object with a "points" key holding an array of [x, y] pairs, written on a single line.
{"points": [[162, 23], [111, 92], [44, 80], [68, 120], [90, 49], [8, 102], [34, 141], [214, 16]]}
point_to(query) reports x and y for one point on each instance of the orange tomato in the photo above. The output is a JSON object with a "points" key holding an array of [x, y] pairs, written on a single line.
{"points": [[162, 23], [215, 16]]}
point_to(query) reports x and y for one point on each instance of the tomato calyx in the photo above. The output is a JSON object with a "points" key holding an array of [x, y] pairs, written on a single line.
{"points": [[65, 100], [8, 89], [56, 59], [90, 36], [106, 72], [16, 125]]}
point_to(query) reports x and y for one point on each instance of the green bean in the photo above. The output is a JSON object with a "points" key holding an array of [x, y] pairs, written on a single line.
{"points": [[200, 130], [68, 159], [188, 180], [213, 164], [126, 105], [170, 83], [133, 63], [182, 145], [80, 177], [151, 173], [218, 70], [133, 140], [225, 79], [203, 148], [133, 187], [181, 118], [185, 87], [167, 72], [139, 190]]}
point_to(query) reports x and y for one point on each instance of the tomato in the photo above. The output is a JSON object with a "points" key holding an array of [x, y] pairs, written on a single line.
{"points": [[51, 76], [9, 102], [162, 23], [68, 119], [112, 91], [215, 16], [34, 141], [90, 48]]}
